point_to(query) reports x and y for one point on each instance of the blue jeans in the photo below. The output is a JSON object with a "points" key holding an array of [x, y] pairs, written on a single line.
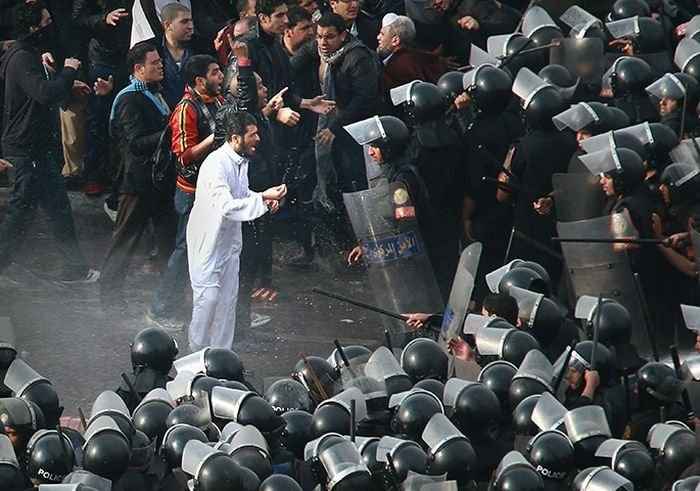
{"points": [[37, 181], [171, 292]]}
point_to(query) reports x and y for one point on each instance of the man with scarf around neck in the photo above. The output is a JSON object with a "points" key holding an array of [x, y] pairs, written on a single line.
{"points": [[27, 139], [348, 73], [139, 117], [192, 125]]}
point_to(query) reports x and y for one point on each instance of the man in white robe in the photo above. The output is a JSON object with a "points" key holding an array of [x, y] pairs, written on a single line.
{"points": [[222, 201]]}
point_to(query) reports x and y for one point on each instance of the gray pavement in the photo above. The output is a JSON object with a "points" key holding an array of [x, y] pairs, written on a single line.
{"points": [[82, 346]]}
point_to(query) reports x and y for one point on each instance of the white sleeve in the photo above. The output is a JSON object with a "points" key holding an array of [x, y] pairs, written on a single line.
{"points": [[244, 209]]}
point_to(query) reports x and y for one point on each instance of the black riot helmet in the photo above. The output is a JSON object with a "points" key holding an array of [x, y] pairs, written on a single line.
{"points": [[390, 135], [629, 76], [523, 426], [426, 103], [151, 415], [516, 49], [279, 482], [587, 427], [153, 348], [450, 84], [630, 459], [202, 385], [288, 394], [539, 27], [174, 442], [432, 385], [675, 448], [600, 478], [682, 181], [224, 364], [687, 484], [551, 453], [190, 414], [407, 456], [449, 451], [497, 376], [29, 385], [423, 358], [489, 89], [10, 470], [334, 415], [22, 416], [581, 359], [475, 408], [622, 165], [534, 376], [354, 353], [211, 469], [344, 468], [538, 315], [659, 381], [107, 451], [679, 87], [249, 480], [593, 117], [614, 324], [686, 57], [297, 432], [49, 457], [619, 118], [526, 278], [544, 105], [246, 408], [367, 446], [249, 449], [561, 78], [323, 370], [413, 411], [514, 472], [664, 139], [623, 9], [646, 34]]}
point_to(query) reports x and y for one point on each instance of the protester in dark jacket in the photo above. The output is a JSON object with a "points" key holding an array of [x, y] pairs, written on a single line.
{"points": [[139, 117], [28, 130]]}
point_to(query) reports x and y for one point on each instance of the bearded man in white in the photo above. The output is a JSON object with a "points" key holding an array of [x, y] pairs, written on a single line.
{"points": [[214, 240]]}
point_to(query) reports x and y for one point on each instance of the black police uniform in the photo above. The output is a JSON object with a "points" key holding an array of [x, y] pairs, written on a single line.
{"points": [[535, 158], [491, 221]]}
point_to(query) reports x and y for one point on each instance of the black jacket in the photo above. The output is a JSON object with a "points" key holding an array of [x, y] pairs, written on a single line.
{"points": [[271, 62], [358, 92], [108, 44], [28, 117], [138, 126]]}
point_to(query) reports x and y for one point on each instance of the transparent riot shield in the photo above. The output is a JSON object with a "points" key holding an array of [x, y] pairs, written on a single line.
{"points": [[577, 197], [604, 268], [461, 292], [400, 274], [582, 57]]}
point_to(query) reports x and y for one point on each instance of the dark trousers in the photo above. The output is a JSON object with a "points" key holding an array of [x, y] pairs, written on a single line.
{"points": [[97, 123], [171, 292], [38, 182], [256, 264], [133, 215]]}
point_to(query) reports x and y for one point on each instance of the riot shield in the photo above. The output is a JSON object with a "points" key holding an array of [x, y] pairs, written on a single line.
{"points": [[687, 150], [399, 270], [604, 268], [461, 292], [577, 197], [582, 57]]}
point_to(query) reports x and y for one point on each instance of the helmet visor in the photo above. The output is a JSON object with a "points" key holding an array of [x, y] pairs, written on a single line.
{"points": [[109, 402], [585, 422], [575, 15], [366, 131], [548, 412], [20, 376], [7, 452], [402, 93], [92, 481], [383, 365], [194, 455], [226, 403], [439, 431], [623, 28], [535, 19], [691, 316], [576, 117], [527, 84], [536, 366], [193, 362], [249, 436], [668, 86], [686, 50], [478, 57], [601, 161], [490, 340]]}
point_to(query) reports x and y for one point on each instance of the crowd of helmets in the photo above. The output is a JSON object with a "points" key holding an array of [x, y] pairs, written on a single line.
{"points": [[365, 419]]}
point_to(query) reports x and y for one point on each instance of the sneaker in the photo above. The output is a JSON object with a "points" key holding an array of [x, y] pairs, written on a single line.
{"points": [[166, 323], [93, 189], [112, 214], [259, 320], [92, 276]]}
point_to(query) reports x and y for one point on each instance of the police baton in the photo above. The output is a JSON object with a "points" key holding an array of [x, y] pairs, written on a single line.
{"points": [[596, 332], [83, 422], [564, 367], [314, 377], [358, 303], [616, 240], [132, 389], [679, 373], [648, 322]]}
